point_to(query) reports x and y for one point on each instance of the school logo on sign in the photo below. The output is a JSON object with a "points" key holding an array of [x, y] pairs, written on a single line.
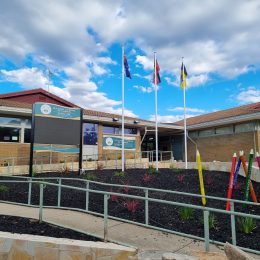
{"points": [[46, 109], [109, 141]]}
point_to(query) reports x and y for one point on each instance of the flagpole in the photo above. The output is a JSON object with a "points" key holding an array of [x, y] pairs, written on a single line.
{"points": [[123, 108], [185, 125], [156, 108]]}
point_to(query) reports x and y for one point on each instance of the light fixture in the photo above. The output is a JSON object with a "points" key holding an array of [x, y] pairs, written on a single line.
{"points": [[115, 119]]}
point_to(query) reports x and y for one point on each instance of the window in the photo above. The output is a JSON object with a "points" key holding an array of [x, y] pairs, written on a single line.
{"points": [[193, 134], [247, 127], [90, 133], [117, 130], [9, 134], [27, 135], [224, 130], [208, 132], [10, 121]]}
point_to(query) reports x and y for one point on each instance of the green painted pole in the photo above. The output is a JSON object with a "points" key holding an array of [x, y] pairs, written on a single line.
{"points": [[248, 177]]}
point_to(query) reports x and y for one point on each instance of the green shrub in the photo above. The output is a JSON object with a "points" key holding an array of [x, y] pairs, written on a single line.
{"points": [[186, 213], [246, 224], [152, 169], [174, 169], [119, 174], [212, 221], [3, 188], [89, 176]]}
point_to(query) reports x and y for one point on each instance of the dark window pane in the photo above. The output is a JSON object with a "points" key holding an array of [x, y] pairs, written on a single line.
{"points": [[27, 135], [9, 134]]}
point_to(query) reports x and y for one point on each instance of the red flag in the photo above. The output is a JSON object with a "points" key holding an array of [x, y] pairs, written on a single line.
{"points": [[156, 75]]}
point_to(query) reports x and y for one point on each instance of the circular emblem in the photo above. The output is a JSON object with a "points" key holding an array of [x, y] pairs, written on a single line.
{"points": [[109, 141], [46, 109]]}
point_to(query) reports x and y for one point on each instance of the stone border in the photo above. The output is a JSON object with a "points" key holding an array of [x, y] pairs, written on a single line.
{"points": [[21, 246]]}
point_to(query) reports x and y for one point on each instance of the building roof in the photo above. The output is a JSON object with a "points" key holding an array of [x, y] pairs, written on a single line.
{"points": [[20, 96], [223, 114], [14, 107]]}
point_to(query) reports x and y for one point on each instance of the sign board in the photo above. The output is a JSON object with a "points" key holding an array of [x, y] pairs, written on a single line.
{"points": [[111, 142], [54, 124]]}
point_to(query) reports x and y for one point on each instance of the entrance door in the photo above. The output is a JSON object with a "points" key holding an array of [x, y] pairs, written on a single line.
{"points": [[177, 147]]}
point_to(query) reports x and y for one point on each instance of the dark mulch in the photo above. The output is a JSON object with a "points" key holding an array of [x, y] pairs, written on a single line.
{"points": [[33, 227], [160, 215]]}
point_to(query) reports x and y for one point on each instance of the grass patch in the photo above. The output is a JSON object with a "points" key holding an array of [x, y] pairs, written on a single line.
{"points": [[246, 224]]}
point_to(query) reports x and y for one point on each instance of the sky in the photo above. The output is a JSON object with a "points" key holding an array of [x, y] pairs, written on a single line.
{"points": [[80, 42]]}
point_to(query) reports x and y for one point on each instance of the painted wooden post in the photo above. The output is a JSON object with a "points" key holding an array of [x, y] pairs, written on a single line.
{"points": [[202, 189], [252, 191], [231, 179]]}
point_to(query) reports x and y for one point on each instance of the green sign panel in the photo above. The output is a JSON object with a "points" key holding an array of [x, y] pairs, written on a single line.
{"points": [[55, 111], [115, 143]]}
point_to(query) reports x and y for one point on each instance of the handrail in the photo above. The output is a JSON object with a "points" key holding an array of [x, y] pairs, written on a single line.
{"points": [[140, 188], [145, 198]]}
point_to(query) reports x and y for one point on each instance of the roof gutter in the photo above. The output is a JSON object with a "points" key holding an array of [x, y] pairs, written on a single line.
{"points": [[224, 121]]}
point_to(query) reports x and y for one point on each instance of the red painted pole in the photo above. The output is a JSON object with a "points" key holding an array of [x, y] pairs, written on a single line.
{"points": [[231, 178], [252, 191]]}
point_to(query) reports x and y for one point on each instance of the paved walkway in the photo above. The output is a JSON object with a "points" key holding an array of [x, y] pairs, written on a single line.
{"points": [[143, 238]]}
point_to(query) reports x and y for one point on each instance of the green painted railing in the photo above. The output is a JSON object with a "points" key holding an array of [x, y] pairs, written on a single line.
{"points": [[43, 182]]}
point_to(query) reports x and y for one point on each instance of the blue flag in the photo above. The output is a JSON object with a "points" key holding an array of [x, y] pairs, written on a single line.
{"points": [[127, 72]]}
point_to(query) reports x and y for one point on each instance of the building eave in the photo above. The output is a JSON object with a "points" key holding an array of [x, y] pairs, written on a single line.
{"points": [[225, 121]]}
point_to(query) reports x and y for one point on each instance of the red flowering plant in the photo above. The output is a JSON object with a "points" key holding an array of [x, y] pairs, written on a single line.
{"points": [[115, 197], [126, 187], [131, 205], [181, 178], [147, 178]]}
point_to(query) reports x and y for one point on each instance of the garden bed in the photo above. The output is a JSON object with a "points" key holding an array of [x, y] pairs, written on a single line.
{"points": [[30, 226], [160, 215]]}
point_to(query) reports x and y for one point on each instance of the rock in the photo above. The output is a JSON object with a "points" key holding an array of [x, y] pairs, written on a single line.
{"points": [[234, 253], [172, 256]]}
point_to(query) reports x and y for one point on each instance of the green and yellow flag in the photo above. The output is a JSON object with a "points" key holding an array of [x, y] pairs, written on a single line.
{"points": [[183, 77]]}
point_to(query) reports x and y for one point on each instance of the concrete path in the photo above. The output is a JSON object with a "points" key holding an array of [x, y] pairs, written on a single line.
{"points": [[143, 238]]}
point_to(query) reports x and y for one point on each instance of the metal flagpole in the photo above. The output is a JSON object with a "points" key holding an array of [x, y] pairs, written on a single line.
{"points": [[185, 126], [123, 108], [156, 108]]}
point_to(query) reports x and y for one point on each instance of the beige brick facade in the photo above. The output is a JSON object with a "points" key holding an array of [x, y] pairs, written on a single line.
{"points": [[222, 147]]}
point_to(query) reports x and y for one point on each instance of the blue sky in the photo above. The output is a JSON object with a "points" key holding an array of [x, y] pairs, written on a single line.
{"points": [[81, 44]]}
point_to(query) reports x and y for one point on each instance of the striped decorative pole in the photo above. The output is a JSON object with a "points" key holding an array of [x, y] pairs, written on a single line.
{"points": [[237, 169], [231, 178]]}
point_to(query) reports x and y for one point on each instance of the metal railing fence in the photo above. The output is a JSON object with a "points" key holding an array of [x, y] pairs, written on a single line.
{"points": [[43, 182], [111, 160]]}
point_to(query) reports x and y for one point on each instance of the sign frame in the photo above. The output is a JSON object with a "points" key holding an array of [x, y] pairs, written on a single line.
{"points": [[32, 141]]}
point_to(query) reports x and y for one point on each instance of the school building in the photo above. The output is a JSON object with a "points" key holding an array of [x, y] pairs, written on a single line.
{"points": [[217, 135]]}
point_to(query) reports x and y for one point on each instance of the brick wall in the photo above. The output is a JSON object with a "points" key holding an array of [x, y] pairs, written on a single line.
{"points": [[222, 147]]}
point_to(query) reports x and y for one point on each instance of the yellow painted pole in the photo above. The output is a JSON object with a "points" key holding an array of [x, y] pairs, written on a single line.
{"points": [[202, 189]]}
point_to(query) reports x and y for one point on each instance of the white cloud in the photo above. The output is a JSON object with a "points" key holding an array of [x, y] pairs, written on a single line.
{"points": [[192, 81], [146, 63], [29, 77], [144, 89], [188, 109], [250, 95]]}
